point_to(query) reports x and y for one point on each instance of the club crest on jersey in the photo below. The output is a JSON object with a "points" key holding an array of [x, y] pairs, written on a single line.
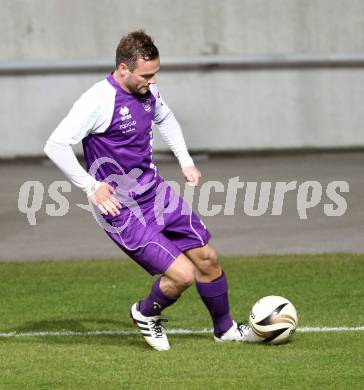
{"points": [[146, 103], [125, 114]]}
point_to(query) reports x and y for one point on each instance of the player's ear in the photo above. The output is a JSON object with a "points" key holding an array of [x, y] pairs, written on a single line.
{"points": [[123, 69]]}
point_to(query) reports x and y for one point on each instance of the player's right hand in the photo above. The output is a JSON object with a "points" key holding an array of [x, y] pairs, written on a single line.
{"points": [[103, 198]]}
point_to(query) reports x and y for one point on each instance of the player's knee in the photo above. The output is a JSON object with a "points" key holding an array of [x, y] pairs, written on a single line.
{"points": [[213, 256], [208, 263], [185, 277], [181, 273]]}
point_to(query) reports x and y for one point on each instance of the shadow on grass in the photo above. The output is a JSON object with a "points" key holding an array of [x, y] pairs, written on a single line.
{"points": [[72, 325]]}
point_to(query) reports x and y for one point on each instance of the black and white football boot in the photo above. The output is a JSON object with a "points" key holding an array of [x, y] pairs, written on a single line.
{"points": [[151, 329], [239, 332]]}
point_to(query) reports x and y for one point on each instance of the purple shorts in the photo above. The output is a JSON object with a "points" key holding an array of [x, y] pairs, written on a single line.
{"points": [[154, 234]]}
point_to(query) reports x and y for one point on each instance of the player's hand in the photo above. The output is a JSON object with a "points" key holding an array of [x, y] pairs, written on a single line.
{"points": [[103, 198], [192, 175]]}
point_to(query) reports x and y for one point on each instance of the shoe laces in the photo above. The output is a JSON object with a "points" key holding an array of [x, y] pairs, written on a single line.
{"points": [[157, 327], [243, 328]]}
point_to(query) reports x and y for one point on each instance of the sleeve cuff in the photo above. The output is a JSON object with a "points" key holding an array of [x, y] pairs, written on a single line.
{"points": [[92, 187], [186, 162]]}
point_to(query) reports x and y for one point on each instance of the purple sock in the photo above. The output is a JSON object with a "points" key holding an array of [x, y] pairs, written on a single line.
{"points": [[155, 302], [215, 296]]}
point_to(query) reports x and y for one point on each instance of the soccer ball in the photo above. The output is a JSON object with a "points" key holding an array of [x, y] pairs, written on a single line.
{"points": [[274, 319]]}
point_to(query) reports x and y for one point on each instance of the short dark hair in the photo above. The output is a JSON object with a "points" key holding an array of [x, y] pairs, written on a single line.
{"points": [[135, 45]]}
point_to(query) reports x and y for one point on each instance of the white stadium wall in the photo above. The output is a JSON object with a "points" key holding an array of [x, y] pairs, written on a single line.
{"points": [[239, 108]]}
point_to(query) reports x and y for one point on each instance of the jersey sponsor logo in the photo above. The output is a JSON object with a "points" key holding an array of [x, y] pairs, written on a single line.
{"points": [[125, 113], [146, 103], [128, 130], [128, 126]]}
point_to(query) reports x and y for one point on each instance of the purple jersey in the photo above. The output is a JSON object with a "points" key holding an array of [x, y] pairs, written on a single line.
{"points": [[116, 126], [128, 141]]}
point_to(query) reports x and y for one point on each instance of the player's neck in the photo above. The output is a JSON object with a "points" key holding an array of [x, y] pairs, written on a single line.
{"points": [[117, 78]]}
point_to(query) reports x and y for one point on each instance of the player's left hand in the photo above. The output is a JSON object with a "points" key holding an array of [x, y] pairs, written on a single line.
{"points": [[192, 175]]}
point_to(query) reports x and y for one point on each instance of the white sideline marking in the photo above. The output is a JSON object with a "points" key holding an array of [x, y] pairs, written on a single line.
{"points": [[127, 332], [330, 329]]}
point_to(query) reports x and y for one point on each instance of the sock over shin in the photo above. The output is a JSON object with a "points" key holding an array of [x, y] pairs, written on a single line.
{"points": [[215, 296], [155, 302]]}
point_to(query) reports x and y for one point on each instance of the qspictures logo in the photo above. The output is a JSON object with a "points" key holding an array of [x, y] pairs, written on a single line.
{"points": [[212, 198]]}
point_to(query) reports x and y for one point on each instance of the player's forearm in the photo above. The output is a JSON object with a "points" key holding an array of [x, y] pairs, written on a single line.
{"points": [[65, 159], [172, 134]]}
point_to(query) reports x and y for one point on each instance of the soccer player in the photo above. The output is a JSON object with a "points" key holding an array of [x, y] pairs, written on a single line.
{"points": [[114, 121]]}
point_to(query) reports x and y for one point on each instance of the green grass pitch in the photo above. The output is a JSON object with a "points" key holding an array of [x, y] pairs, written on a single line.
{"points": [[327, 290]]}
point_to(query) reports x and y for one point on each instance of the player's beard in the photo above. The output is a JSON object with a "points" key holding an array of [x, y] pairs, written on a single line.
{"points": [[143, 90], [139, 90]]}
